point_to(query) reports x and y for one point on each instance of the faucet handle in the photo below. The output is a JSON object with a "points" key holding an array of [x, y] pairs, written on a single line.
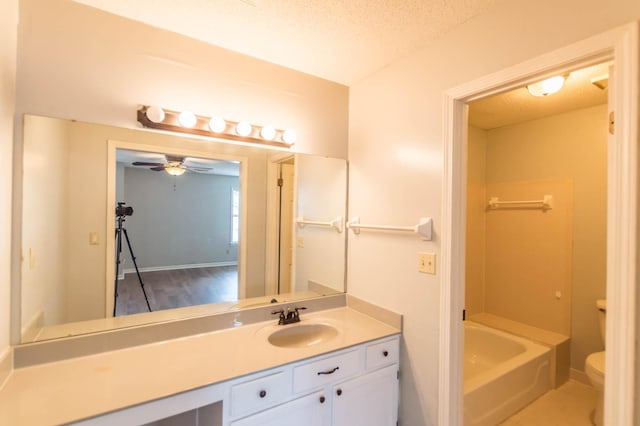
{"points": [[282, 317]]}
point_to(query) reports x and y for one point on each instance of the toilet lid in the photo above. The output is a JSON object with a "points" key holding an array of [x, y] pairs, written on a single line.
{"points": [[594, 365]]}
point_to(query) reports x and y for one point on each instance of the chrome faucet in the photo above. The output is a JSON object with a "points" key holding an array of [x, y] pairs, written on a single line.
{"points": [[291, 316]]}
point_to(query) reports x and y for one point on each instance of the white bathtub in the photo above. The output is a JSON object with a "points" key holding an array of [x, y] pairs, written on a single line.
{"points": [[502, 374]]}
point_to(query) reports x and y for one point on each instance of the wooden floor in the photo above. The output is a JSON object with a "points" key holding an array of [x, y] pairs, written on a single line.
{"points": [[176, 288]]}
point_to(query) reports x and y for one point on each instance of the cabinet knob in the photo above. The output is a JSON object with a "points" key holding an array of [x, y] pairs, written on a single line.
{"points": [[385, 353], [322, 399], [339, 392], [263, 393]]}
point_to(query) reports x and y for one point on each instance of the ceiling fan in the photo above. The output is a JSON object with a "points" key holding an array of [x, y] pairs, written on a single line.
{"points": [[174, 166]]}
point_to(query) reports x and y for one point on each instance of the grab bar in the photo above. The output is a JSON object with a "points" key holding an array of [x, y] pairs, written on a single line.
{"points": [[545, 204], [335, 223], [423, 228]]}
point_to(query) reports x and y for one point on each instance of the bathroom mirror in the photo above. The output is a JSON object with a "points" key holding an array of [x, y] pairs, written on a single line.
{"points": [[262, 235]]}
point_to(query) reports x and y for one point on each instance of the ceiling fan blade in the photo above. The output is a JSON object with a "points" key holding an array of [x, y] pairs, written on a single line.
{"points": [[201, 169], [157, 169], [144, 163]]}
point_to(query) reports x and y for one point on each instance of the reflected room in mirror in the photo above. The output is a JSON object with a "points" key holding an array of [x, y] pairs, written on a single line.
{"points": [[213, 227], [177, 231]]}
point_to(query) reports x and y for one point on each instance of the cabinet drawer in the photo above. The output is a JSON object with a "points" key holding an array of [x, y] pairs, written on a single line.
{"points": [[259, 394], [319, 373], [383, 353]]}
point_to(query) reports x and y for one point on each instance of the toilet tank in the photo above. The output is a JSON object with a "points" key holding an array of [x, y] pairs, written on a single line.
{"points": [[602, 318]]}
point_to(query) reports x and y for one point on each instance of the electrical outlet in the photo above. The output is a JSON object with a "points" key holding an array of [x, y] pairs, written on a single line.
{"points": [[427, 263], [300, 242]]}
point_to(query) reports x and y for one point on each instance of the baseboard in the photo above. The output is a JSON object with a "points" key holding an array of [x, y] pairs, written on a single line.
{"points": [[6, 365], [32, 328], [579, 376], [176, 267]]}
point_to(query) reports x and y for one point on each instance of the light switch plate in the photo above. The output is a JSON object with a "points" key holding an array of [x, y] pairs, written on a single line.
{"points": [[427, 263]]}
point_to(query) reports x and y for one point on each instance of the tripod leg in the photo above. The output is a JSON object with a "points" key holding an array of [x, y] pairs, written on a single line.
{"points": [[126, 236], [119, 250]]}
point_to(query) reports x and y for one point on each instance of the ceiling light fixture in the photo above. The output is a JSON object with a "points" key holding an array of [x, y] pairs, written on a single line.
{"points": [[175, 170], [216, 127], [547, 87]]}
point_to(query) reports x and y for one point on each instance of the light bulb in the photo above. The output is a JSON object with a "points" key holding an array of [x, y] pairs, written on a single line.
{"points": [[243, 128], [187, 119], [546, 87], [175, 170], [155, 114], [268, 133], [217, 124], [289, 136]]}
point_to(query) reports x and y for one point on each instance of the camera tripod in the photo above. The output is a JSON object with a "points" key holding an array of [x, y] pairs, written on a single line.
{"points": [[119, 231]]}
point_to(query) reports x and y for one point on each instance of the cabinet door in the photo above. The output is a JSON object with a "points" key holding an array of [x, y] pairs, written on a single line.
{"points": [[371, 399], [310, 410]]}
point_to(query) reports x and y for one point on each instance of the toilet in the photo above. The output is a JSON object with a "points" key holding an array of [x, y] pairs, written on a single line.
{"points": [[594, 366]]}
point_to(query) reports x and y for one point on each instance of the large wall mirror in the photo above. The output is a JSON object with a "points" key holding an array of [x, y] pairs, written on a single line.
{"points": [[124, 227]]}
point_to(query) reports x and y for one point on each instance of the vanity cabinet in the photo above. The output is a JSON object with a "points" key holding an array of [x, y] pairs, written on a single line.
{"points": [[357, 386], [353, 386]]}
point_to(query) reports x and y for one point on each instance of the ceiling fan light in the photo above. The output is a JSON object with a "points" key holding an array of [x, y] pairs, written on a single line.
{"points": [[217, 124], [175, 170], [187, 119], [155, 114], [243, 128], [546, 87]]}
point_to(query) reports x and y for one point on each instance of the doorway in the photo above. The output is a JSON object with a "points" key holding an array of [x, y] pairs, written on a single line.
{"points": [[536, 245], [621, 47]]}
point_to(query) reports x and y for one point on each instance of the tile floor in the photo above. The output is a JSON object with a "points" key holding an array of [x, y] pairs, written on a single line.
{"points": [[569, 405]]}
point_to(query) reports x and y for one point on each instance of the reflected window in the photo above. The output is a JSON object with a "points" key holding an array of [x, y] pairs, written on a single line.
{"points": [[235, 215]]}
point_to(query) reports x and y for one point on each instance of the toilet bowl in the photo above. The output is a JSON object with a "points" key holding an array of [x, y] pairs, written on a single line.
{"points": [[594, 367]]}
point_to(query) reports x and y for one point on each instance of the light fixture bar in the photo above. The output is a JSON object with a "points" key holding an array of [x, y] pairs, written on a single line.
{"points": [[170, 121]]}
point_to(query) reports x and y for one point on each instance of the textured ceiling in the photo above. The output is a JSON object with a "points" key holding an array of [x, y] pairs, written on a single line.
{"points": [[518, 105], [339, 40]]}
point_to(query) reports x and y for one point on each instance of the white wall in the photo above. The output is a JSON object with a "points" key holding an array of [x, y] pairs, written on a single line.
{"points": [[46, 213], [571, 145], [395, 161], [8, 44], [81, 63]]}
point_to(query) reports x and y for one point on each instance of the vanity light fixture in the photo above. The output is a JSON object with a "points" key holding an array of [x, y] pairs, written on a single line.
{"points": [[547, 87], [243, 128], [187, 119], [186, 122], [268, 133], [217, 124], [155, 114]]}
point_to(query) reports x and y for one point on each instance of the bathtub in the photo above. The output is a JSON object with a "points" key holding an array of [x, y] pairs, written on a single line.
{"points": [[502, 374]]}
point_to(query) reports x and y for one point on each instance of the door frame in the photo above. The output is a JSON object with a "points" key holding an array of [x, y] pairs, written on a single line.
{"points": [[619, 45]]}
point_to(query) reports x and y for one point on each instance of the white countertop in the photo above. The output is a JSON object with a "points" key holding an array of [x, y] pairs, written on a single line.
{"points": [[78, 388]]}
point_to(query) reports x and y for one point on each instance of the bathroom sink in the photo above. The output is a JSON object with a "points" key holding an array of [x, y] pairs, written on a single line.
{"points": [[302, 335]]}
